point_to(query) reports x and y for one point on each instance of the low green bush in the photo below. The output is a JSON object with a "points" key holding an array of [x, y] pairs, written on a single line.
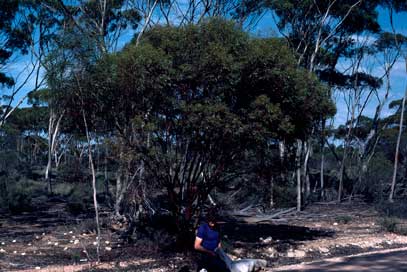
{"points": [[393, 225], [79, 199], [20, 201], [17, 195], [344, 219], [397, 209], [389, 224]]}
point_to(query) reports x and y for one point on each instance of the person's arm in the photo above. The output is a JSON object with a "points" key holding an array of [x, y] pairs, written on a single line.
{"points": [[199, 247]]}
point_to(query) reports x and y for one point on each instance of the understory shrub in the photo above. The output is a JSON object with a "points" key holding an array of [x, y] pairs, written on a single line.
{"points": [[19, 196], [79, 199], [397, 209], [344, 219], [393, 225]]}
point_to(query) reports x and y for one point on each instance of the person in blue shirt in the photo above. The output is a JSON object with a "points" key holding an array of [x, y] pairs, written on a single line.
{"points": [[207, 240]]}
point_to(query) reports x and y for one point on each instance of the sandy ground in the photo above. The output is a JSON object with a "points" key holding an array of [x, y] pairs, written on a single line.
{"points": [[394, 260], [50, 239]]}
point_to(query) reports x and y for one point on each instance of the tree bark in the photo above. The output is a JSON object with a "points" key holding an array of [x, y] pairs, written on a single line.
{"points": [[106, 178], [298, 171], [95, 202], [396, 156], [271, 192], [53, 130], [119, 194], [307, 185], [146, 22]]}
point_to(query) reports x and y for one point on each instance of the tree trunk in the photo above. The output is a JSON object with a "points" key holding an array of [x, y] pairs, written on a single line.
{"points": [[298, 170], [51, 121], [48, 171], [321, 177], [106, 178], [53, 130], [307, 185], [120, 182], [271, 192], [95, 202], [282, 150], [119, 194], [322, 163], [396, 156], [342, 169]]}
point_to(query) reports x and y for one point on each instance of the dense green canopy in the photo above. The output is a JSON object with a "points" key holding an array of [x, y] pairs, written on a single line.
{"points": [[189, 101]]}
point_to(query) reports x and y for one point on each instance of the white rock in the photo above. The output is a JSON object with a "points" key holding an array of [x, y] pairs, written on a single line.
{"points": [[49, 243], [15, 252], [65, 233], [323, 250], [335, 224], [14, 241], [268, 240], [37, 268], [71, 232], [56, 244], [119, 245], [76, 242], [73, 237], [299, 253], [296, 254], [108, 248], [2, 250], [29, 244], [37, 237], [71, 241], [271, 251], [95, 243], [65, 248], [43, 233], [290, 254], [23, 254], [107, 242], [83, 260], [2, 243]]}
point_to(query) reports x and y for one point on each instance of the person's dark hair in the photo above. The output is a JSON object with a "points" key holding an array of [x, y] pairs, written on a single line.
{"points": [[212, 215]]}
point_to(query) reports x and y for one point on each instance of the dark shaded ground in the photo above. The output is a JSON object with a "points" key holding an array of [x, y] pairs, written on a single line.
{"points": [[251, 233], [248, 240], [394, 261]]}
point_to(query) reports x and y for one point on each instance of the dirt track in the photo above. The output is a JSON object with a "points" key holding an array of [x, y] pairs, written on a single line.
{"points": [[383, 261]]}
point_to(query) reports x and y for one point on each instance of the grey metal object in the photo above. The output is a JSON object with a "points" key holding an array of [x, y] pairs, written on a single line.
{"points": [[244, 265]]}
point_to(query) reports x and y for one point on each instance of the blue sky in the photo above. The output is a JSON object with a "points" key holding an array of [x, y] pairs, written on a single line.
{"points": [[398, 77], [266, 27]]}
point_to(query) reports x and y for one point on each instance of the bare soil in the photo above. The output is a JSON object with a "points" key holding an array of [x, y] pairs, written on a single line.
{"points": [[50, 239]]}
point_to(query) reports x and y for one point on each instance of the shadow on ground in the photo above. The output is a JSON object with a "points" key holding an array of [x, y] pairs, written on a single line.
{"points": [[251, 233], [395, 261]]}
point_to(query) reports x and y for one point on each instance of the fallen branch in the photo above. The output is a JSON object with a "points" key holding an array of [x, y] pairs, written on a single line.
{"points": [[258, 219], [278, 214]]}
